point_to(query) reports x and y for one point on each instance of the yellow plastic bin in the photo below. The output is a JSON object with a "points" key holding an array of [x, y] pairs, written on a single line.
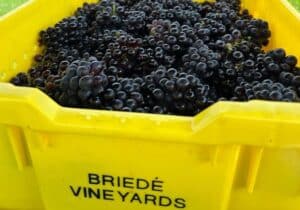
{"points": [[232, 156]]}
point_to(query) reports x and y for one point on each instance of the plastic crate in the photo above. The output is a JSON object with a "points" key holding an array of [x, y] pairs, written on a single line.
{"points": [[232, 156]]}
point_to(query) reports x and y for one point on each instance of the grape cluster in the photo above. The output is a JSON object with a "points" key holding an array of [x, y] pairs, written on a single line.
{"points": [[162, 56], [265, 90]]}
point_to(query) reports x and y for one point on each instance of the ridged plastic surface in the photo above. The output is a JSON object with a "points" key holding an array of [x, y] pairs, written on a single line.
{"points": [[232, 156]]}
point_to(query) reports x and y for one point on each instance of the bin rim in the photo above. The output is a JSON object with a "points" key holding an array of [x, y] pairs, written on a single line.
{"points": [[259, 123]]}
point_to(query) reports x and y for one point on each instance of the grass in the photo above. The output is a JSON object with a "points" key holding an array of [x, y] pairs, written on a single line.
{"points": [[296, 3], [7, 5]]}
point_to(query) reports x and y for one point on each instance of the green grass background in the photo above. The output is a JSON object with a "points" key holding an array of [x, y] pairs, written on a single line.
{"points": [[7, 5], [296, 3]]}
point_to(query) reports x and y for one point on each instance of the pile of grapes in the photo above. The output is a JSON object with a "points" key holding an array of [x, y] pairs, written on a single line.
{"points": [[160, 56]]}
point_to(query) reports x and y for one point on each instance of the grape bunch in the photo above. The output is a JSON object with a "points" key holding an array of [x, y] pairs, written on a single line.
{"points": [[173, 57]]}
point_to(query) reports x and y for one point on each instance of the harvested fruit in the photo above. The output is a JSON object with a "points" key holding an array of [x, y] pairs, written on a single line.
{"points": [[163, 56]]}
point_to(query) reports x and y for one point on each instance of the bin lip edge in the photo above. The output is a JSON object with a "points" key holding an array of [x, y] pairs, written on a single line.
{"points": [[219, 107], [215, 125], [17, 92]]}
